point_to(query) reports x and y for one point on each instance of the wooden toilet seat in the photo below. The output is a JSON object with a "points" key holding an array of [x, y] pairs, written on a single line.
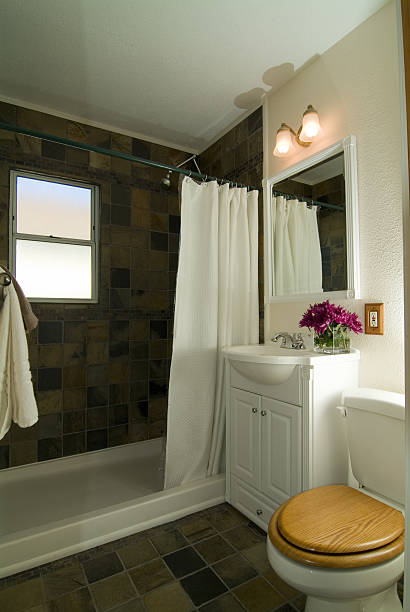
{"points": [[337, 527]]}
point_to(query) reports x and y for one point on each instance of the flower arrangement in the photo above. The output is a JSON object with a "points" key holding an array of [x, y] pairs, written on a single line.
{"points": [[331, 325]]}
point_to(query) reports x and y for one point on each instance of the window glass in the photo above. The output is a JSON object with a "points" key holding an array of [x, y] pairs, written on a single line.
{"points": [[54, 270], [47, 208]]}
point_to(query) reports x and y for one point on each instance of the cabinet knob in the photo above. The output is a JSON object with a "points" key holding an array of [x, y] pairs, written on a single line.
{"points": [[263, 413], [254, 410], [259, 511]]}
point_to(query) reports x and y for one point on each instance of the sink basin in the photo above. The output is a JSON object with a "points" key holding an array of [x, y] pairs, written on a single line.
{"points": [[269, 364]]}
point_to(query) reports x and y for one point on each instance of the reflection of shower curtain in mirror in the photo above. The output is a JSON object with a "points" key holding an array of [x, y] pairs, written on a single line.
{"points": [[297, 260]]}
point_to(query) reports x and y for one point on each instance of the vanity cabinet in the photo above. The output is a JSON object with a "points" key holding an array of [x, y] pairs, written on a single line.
{"points": [[285, 438], [266, 438]]}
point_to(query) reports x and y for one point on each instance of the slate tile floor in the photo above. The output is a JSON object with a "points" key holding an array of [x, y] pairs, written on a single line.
{"points": [[211, 561]]}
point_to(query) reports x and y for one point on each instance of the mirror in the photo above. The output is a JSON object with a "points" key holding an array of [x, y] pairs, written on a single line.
{"points": [[311, 228]]}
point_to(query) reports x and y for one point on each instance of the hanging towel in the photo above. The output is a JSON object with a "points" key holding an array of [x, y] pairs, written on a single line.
{"points": [[17, 402], [29, 318]]}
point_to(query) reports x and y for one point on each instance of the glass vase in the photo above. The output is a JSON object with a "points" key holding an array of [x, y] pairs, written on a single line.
{"points": [[333, 341]]}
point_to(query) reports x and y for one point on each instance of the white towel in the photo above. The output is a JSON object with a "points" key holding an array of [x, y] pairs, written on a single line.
{"points": [[17, 402]]}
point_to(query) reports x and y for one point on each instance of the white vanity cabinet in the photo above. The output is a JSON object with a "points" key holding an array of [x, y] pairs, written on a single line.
{"points": [[287, 437]]}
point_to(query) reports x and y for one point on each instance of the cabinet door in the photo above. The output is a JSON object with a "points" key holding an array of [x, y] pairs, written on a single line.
{"points": [[244, 432], [281, 442]]}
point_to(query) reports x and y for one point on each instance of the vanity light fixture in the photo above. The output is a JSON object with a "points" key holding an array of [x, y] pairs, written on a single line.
{"points": [[286, 137]]}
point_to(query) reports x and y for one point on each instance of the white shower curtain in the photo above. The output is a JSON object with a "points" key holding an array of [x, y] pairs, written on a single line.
{"points": [[216, 305], [297, 260]]}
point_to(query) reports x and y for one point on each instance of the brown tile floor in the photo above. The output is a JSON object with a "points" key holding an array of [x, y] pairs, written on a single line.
{"points": [[211, 561]]}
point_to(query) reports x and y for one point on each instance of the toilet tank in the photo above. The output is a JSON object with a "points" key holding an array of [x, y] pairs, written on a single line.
{"points": [[376, 440]]}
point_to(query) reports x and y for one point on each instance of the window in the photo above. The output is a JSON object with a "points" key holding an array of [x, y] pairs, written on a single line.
{"points": [[53, 237]]}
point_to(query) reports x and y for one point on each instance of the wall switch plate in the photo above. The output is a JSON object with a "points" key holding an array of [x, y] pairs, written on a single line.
{"points": [[374, 323]]}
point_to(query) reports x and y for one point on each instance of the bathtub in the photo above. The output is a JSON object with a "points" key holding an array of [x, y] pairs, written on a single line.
{"points": [[62, 507]]}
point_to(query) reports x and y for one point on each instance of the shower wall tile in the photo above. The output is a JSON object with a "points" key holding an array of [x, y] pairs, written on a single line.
{"points": [[174, 224], [49, 355], [138, 412], [73, 444], [95, 366], [159, 222], [49, 402], [97, 396], [74, 399], [74, 376], [158, 241], [96, 440], [73, 421], [118, 415], [4, 457], [49, 378], [158, 329], [120, 215], [97, 375], [53, 150], [23, 452], [50, 332], [49, 426], [118, 435], [49, 448], [97, 418]]}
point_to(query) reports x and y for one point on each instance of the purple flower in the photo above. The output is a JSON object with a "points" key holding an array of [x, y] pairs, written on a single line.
{"points": [[324, 315]]}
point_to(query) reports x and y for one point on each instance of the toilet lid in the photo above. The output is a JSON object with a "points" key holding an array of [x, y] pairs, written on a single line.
{"points": [[337, 519]]}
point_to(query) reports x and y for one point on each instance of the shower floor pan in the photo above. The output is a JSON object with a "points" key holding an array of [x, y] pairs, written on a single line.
{"points": [[62, 507]]}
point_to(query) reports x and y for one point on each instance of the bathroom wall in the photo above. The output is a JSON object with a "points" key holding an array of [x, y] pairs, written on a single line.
{"points": [[100, 371], [238, 156], [354, 86]]}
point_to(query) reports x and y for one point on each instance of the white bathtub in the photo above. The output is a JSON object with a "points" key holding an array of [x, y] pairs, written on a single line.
{"points": [[62, 507]]}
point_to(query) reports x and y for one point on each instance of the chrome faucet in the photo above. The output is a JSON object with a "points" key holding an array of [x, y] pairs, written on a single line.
{"points": [[290, 341]]}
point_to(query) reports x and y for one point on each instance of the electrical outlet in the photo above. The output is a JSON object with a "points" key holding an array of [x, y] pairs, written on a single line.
{"points": [[374, 323], [374, 318]]}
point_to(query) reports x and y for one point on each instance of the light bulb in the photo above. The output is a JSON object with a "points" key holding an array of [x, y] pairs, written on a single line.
{"points": [[310, 125], [283, 141]]}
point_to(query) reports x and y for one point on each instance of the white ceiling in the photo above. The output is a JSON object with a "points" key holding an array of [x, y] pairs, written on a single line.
{"points": [[175, 71]]}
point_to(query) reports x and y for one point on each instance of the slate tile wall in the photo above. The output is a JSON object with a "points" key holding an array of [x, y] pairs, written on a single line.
{"points": [[238, 156], [100, 371]]}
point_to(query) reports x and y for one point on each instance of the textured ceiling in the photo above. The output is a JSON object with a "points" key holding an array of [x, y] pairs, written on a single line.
{"points": [[178, 71]]}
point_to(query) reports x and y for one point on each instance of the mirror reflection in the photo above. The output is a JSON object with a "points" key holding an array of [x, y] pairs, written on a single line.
{"points": [[308, 219]]}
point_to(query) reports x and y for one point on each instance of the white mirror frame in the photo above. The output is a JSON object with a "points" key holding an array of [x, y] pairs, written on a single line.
{"points": [[348, 147]]}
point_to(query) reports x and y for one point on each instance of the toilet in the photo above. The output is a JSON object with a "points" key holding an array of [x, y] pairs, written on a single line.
{"points": [[343, 545]]}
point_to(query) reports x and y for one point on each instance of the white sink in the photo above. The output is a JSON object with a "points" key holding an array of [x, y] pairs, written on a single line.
{"points": [[269, 364]]}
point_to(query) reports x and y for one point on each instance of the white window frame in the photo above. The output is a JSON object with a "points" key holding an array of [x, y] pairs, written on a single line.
{"points": [[93, 242]]}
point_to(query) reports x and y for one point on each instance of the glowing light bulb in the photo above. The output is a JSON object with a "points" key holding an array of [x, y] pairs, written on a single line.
{"points": [[284, 143], [310, 125]]}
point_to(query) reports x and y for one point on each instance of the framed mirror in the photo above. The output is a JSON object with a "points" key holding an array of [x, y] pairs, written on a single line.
{"points": [[311, 228]]}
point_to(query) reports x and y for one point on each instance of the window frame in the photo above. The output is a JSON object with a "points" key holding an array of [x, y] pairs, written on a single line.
{"points": [[14, 235]]}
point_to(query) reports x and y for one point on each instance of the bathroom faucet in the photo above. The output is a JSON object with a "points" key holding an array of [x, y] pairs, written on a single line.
{"points": [[290, 341]]}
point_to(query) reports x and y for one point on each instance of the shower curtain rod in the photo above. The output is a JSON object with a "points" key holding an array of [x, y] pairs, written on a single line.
{"points": [[307, 200], [132, 158]]}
